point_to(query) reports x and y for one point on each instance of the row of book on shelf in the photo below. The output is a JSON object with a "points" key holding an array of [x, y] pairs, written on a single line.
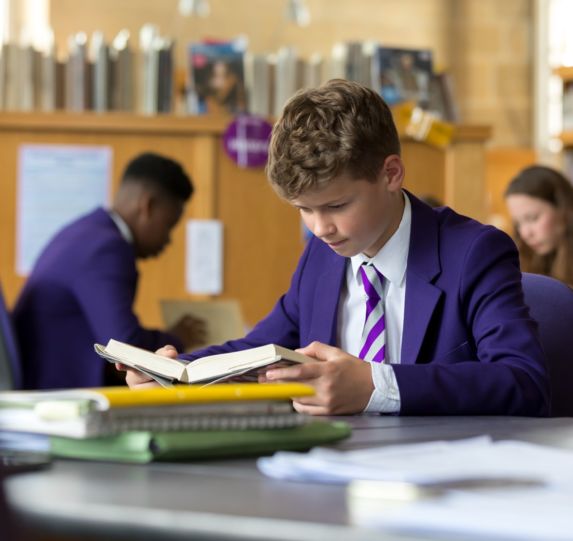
{"points": [[219, 76]]}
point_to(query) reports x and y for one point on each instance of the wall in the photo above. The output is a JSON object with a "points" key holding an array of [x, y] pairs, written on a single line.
{"points": [[493, 66], [485, 43]]}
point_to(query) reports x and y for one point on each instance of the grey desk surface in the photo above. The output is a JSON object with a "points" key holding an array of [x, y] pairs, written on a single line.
{"points": [[230, 499]]}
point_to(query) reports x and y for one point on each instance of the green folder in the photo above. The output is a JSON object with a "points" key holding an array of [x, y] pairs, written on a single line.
{"points": [[145, 447]]}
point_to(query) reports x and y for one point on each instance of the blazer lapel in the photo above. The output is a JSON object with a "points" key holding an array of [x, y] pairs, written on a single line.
{"points": [[326, 297], [423, 266]]}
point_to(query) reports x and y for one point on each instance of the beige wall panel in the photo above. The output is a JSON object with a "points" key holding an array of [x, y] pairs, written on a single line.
{"points": [[502, 164], [425, 169], [263, 239]]}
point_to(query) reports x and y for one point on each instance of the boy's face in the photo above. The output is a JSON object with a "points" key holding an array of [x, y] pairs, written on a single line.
{"points": [[155, 224], [356, 216]]}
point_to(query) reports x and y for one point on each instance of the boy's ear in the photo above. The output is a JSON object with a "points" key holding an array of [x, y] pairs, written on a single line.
{"points": [[393, 170], [145, 203]]}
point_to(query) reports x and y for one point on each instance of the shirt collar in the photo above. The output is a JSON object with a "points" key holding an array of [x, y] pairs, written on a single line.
{"points": [[392, 258], [122, 226]]}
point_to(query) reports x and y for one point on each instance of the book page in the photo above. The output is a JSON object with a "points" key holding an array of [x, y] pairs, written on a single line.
{"points": [[226, 365], [141, 359]]}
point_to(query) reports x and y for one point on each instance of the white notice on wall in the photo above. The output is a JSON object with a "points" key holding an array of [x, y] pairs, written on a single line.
{"points": [[56, 185], [204, 257]]}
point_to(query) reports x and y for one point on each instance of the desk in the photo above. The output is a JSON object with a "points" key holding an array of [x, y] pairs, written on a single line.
{"points": [[231, 500]]}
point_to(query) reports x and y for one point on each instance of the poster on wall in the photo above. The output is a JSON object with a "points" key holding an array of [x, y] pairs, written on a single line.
{"points": [[56, 185], [204, 257]]}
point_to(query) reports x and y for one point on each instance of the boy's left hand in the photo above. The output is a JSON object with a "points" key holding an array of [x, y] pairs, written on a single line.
{"points": [[343, 383]]}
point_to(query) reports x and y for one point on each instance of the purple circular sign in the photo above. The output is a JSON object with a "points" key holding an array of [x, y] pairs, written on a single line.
{"points": [[246, 140]]}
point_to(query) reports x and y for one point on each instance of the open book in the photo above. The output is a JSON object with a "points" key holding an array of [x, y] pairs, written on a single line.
{"points": [[208, 370]]}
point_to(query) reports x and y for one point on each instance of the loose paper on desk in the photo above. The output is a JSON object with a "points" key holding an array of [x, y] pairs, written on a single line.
{"points": [[430, 462], [204, 257], [536, 511], [56, 184]]}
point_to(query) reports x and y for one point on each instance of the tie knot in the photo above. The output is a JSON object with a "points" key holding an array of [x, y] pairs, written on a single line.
{"points": [[372, 281]]}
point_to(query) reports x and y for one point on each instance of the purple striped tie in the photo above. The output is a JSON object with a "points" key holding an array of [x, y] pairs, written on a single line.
{"points": [[373, 343]]}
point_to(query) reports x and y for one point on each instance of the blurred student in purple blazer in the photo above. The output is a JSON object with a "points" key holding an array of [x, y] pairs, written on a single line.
{"points": [[83, 285]]}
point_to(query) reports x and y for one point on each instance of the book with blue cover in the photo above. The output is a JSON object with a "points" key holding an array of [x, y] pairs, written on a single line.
{"points": [[404, 75], [217, 77]]}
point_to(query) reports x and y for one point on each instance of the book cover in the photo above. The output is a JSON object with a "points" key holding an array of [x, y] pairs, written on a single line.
{"points": [[404, 75], [217, 76], [165, 82], [76, 73], [48, 82], [289, 71], [567, 105], [259, 84], [122, 73], [100, 76], [442, 100], [143, 447]]}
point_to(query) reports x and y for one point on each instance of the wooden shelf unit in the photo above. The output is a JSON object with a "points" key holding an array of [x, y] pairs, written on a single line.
{"points": [[262, 235]]}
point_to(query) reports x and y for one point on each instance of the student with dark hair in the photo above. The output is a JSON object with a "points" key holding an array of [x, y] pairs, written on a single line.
{"points": [[82, 287], [540, 202], [406, 309]]}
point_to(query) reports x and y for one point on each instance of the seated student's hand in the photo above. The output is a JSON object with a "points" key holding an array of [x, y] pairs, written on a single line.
{"points": [[139, 380], [191, 330], [342, 383]]}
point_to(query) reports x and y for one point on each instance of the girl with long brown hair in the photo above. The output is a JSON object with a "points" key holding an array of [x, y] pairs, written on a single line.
{"points": [[540, 202]]}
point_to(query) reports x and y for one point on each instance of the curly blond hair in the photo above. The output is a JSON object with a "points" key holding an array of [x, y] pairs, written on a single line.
{"points": [[338, 128]]}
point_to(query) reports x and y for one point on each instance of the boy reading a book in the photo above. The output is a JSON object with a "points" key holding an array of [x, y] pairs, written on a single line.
{"points": [[407, 309]]}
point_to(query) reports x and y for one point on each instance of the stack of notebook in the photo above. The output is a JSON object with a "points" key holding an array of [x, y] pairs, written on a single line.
{"points": [[179, 423]]}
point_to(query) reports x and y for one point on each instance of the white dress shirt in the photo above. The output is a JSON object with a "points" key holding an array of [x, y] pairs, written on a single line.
{"points": [[391, 261], [122, 226]]}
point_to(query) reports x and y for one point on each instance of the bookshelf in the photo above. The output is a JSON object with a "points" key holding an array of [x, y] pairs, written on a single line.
{"points": [[259, 229], [565, 73]]}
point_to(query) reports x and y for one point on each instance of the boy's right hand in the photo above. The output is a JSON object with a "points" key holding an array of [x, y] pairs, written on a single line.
{"points": [[191, 331], [138, 380]]}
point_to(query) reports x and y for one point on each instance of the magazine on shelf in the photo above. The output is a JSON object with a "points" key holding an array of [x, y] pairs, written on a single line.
{"points": [[217, 76], [404, 75]]}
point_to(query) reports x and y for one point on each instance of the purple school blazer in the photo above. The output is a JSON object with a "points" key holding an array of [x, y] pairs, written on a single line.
{"points": [[80, 291], [469, 345]]}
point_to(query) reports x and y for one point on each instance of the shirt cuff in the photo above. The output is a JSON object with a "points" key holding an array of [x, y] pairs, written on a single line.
{"points": [[386, 395]]}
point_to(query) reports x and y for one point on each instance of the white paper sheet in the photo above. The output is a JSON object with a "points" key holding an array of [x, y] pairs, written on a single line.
{"points": [[56, 184], [204, 257], [529, 512]]}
